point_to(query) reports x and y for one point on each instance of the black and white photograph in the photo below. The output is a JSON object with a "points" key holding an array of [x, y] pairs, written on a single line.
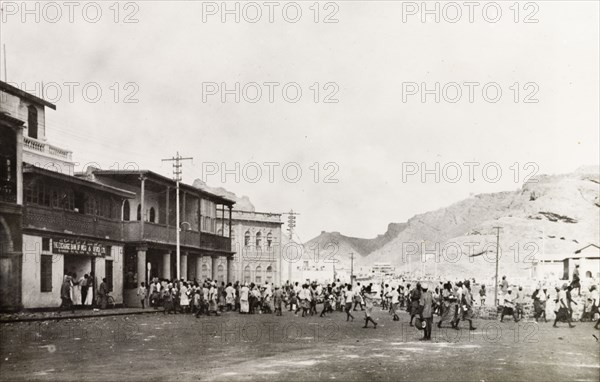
{"points": [[309, 190]]}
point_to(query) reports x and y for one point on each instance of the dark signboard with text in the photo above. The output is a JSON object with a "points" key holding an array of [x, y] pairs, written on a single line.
{"points": [[78, 247]]}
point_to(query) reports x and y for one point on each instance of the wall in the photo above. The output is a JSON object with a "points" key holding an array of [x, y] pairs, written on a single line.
{"points": [[17, 108], [32, 297]]}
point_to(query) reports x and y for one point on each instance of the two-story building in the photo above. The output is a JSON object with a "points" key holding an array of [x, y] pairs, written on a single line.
{"points": [[149, 229], [67, 225]]}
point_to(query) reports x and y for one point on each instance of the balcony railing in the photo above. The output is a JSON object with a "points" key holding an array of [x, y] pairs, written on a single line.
{"points": [[46, 148], [160, 233], [64, 221]]}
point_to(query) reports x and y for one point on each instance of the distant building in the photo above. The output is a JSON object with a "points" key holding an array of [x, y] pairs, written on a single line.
{"points": [[256, 240], [561, 266], [385, 269]]}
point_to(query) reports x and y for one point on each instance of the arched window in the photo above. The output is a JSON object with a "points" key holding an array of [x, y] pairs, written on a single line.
{"points": [[247, 239], [139, 212], [32, 122], [126, 213], [258, 275], [269, 274], [204, 271], [269, 240], [588, 274], [247, 274], [152, 215], [258, 240], [220, 232]]}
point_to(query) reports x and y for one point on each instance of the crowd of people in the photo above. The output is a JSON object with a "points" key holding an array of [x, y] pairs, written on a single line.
{"points": [[452, 302]]}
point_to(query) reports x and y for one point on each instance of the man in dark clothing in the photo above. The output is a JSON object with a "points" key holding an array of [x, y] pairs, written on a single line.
{"points": [[103, 294], [415, 296], [65, 295], [426, 310]]}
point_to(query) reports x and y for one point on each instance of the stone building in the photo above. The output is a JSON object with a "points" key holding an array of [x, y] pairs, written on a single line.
{"points": [[256, 241]]}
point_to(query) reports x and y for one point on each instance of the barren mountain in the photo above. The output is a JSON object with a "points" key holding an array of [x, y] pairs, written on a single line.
{"points": [[551, 215]]}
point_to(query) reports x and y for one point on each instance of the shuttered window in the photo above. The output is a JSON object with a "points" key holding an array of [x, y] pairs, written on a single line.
{"points": [[109, 274], [46, 273]]}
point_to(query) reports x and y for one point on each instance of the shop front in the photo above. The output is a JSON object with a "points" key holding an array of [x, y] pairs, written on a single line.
{"points": [[48, 259]]}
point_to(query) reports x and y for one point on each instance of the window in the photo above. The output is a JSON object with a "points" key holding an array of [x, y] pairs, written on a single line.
{"points": [[258, 275], [269, 274], [45, 244], [139, 213], [109, 274], [126, 213], [247, 239], [269, 240], [152, 215], [258, 240], [32, 122], [247, 274], [46, 273]]}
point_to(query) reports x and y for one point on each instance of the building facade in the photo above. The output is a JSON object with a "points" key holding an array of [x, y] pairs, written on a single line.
{"points": [[256, 240], [11, 136], [148, 221]]}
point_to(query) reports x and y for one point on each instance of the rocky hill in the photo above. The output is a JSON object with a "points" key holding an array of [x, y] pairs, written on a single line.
{"points": [[551, 215], [242, 203]]}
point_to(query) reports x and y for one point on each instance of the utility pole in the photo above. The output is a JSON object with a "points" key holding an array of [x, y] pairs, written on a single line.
{"points": [[352, 268], [291, 225], [497, 258], [177, 177]]}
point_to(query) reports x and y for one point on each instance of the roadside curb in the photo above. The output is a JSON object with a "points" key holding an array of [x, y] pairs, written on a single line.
{"points": [[57, 318]]}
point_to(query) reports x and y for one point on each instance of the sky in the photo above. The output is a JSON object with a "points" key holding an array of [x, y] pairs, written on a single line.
{"points": [[336, 116]]}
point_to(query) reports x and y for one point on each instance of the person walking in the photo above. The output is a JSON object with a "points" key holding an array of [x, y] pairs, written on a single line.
{"points": [[425, 310], [563, 313], [83, 282], [467, 305], [278, 301], [509, 307], [349, 298], [368, 297], [103, 294], [415, 297], [482, 295], [65, 295], [448, 305], [142, 293], [394, 301], [576, 283]]}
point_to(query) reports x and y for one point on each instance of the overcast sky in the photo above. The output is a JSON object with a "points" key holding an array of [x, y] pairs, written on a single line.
{"points": [[171, 54]]}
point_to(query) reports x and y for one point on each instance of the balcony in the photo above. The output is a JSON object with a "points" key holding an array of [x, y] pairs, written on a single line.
{"points": [[64, 221], [162, 234], [47, 149]]}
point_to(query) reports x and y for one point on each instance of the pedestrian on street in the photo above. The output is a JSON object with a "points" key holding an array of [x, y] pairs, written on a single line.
{"points": [[349, 299], [415, 297], [426, 310], [368, 297], [563, 313], [509, 307], [103, 294], [141, 293], [65, 295]]}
